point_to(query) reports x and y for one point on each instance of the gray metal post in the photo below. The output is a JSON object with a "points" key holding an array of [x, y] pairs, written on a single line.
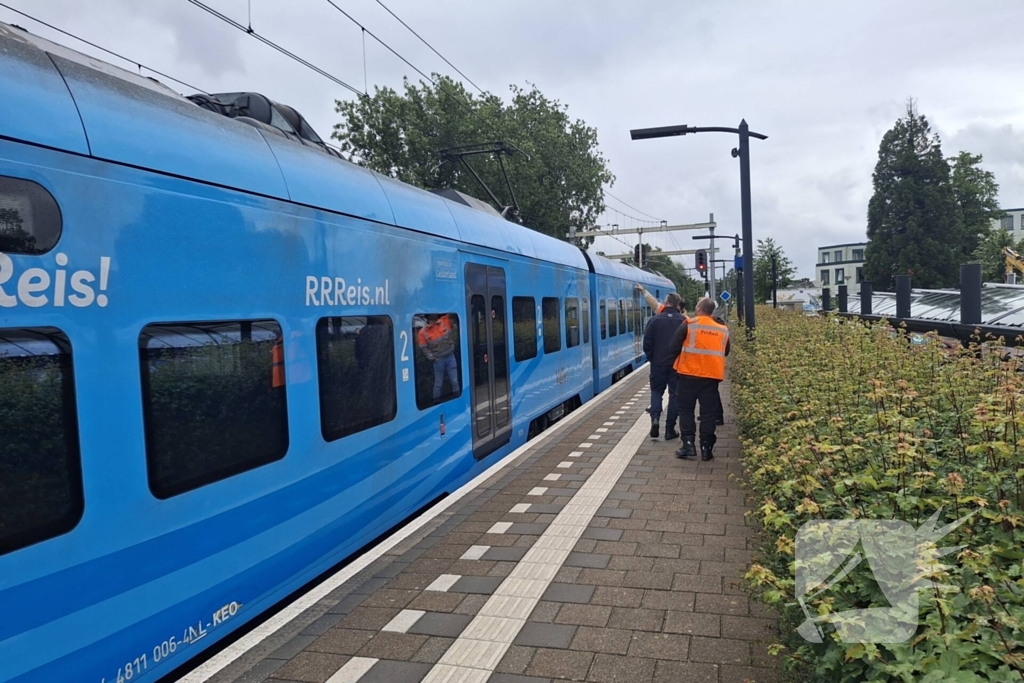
{"points": [[865, 298], [902, 296], [970, 294], [844, 306], [826, 299], [711, 257], [748, 230]]}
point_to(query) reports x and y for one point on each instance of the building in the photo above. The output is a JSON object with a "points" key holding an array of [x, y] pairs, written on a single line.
{"points": [[799, 299], [1012, 221], [840, 264]]}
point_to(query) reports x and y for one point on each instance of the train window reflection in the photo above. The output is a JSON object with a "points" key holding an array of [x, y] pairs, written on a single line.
{"points": [[552, 324], [355, 358], [213, 400], [438, 358], [572, 322], [40, 467], [524, 327], [30, 220], [586, 321]]}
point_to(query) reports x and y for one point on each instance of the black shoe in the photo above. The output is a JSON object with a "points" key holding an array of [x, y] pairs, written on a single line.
{"points": [[671, 434], [688, 450], [705, 451], [654, 429]]}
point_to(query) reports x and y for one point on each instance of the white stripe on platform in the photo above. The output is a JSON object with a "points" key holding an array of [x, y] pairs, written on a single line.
{"points": [[499, 527], [444, 582], [353, 670], [537, 491], [404, 620], [475, 552], [520, 507], [482, 644]]}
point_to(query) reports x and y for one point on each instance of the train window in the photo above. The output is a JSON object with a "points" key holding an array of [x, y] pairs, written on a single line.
{"points": [[622, 316], [213, 401], [586, 321], [572, 322], [524, 327], [355, 358], [30, 220], [613, 327], [629, 316], [602, 314], [552, 324], [438, 358], [40, 467]]}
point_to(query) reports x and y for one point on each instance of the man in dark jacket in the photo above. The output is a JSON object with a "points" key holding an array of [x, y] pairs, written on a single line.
{"points": [[657, 347]]}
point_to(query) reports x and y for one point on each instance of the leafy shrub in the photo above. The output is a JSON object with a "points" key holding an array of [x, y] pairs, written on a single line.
{"points": [[850, 420]]}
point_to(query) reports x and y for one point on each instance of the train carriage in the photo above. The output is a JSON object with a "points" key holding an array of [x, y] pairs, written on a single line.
{"points": [[213, 378]]}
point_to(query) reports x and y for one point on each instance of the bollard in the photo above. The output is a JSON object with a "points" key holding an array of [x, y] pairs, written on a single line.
{"points": [[970, 294], [826, 299], [865, 298], [902, 296], [843, 304]]}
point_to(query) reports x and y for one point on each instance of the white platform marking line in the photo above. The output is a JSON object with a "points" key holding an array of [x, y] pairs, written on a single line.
{"points": [[486, 639], [585, 445], [550, 477], [537, 491], [475, 552], [565, 463], [602, 430], [353, 670], [443, 583], [575, 454], [498, 528], [520, 507], [296, 608], [404, 620]]}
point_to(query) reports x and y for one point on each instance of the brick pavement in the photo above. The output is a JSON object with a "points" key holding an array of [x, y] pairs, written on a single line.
{"points": [[649, 592]]}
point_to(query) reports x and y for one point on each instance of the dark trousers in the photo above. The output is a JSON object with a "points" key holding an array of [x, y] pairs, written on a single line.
{"points": [[690, 390], [663, 376]]}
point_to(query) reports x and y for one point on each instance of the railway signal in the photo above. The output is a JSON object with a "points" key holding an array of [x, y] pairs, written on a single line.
{"points": [[701, 259]]}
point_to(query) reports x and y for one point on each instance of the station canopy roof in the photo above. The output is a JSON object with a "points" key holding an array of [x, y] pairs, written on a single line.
{"points": [[1001, 305]]}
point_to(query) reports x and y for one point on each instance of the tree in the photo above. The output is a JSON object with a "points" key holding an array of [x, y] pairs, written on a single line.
{"points": [[975, 192], [784, 269], [558, 181], [912, 215], [989, 253], [688, 287]]}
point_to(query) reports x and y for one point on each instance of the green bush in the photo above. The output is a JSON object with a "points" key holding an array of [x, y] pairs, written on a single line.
{"points": [[849, 420]]}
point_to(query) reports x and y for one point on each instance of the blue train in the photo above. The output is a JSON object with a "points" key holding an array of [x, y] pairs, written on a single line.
{"points": [[214, 381]]}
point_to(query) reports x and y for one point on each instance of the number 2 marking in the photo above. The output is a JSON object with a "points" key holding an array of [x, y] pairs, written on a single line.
{"points": [[405, 345]]}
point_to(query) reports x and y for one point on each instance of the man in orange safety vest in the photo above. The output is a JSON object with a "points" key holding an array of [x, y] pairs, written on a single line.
{"points": [[437, 341], [700, 345]]}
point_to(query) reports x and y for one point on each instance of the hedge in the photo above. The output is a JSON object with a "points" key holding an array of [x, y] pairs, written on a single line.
{"points": [[843, 419]]}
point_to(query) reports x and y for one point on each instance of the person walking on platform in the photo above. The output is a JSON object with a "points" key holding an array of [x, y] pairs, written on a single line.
{"points": [[700, 346], [657, 341]]}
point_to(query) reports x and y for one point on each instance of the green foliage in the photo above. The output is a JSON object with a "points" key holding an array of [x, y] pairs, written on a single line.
{"points": [[976, 194], [785, 271], [847, 420], [927, 214], [989, 253], [400, 134]]}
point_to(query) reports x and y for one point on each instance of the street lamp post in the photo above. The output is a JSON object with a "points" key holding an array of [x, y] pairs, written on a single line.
{"points": [[743, 152]]}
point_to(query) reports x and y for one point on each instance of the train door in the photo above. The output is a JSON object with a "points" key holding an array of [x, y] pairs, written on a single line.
{"points": [[638, 331], [490, 392]]}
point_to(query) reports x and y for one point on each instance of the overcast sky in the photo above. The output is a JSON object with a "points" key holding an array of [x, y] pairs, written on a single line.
{"points": [[824, 80]]}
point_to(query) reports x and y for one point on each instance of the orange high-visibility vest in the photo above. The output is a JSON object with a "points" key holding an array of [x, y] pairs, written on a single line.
{"points": [[703, 353], [435, 331], [277, 365]]}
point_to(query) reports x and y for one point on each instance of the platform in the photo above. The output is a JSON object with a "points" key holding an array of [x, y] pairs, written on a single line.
{"points": [[594, 554]]}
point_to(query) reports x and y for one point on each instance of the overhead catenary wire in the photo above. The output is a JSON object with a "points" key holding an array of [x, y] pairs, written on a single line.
{"points": [[608, 192], [136, 62], [266, 41]]}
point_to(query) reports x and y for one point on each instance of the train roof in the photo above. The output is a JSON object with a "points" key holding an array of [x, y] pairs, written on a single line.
{"points": [[606, 266], [73, 102]]}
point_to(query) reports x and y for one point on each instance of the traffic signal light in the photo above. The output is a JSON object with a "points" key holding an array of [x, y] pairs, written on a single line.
{"points": [[701, 257], [636, 255], [640, 255]]}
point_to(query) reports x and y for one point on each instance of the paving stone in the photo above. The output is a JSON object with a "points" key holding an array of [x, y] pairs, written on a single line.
{"points": [[599, 534], [636, 619], [601, 639], [436, 624], [387, 597], [583, 615], [293, 647], [616, 548], [719, 650], [347, 604], [653, 580], [433, 650], [390, 645], [471, 604], [505, 554], [748, 628], [697, 584], [564, 592], [745, 674], [513, 678], [545, 612], [436, 601], [735, 605], [628, 563], [623, 495], [689, 672], [324, 624], [613, 512], [311, 667], [587, 560], [261, 672], [614, 669], [341, 641], [530, 529], [601, 577], [515, 661], [534, 634], [484, 585], [617, 597], [693, 624], [389, 672], [659, 646], [562, 664]]}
